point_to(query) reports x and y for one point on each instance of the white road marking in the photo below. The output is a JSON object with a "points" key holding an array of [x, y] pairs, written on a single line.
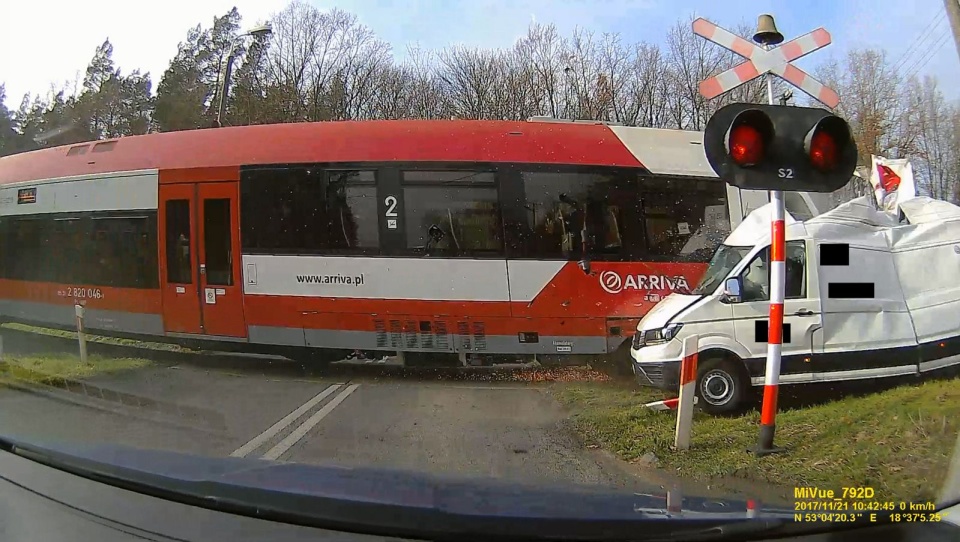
{"points": [[274, 429], [306, 426]]}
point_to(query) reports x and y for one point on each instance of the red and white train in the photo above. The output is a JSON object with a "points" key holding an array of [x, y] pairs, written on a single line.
{"points": [[458, 237]]}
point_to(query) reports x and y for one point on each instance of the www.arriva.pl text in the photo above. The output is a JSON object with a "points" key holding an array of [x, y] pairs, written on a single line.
{"points": [[355, 280]]}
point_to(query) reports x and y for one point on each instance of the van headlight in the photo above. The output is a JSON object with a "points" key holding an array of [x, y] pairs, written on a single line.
{"points": [[662, 335]]}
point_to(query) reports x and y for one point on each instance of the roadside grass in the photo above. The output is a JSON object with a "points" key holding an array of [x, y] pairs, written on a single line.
{"points": [[47, 369], [91, 338], [897, 441]]}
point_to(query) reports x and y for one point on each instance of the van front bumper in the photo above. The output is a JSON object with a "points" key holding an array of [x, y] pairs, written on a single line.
{"points": [[658, 365], [664, 375]]}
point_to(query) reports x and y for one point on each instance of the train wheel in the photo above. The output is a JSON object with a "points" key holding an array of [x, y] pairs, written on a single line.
{"points": [[317, 356], [619, 364]]}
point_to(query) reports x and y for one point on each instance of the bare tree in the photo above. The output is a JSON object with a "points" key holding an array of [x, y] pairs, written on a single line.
{"points": [[691, 60], [870, 100], [643, 99], [391, 98], [359, 58], [544, 52], [517, 97], [426, 96], [584, 83], [469, 77], [934, 142], [297, 34]]}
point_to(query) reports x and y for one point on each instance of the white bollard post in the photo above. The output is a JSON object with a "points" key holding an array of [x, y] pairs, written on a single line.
{"points": [[674, 502], [688, 390], [78, 308]]}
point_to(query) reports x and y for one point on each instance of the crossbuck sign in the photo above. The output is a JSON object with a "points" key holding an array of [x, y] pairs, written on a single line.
{"points": [[760, 61]]}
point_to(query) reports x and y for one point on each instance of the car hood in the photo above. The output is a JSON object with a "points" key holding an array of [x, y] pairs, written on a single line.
{"points": [[234, 479], [666, 309]]}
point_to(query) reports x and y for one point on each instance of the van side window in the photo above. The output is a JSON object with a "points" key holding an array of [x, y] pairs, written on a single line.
{"points": [[756, 277]]}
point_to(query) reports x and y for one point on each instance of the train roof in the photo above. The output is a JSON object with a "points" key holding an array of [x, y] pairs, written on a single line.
{"points": [[664, 152]]}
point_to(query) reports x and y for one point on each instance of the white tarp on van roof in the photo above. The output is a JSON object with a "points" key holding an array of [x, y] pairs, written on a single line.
{"points": [[855, 221]]}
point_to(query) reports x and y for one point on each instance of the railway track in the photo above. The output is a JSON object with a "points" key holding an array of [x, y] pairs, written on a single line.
{"points": [[20, 342]]}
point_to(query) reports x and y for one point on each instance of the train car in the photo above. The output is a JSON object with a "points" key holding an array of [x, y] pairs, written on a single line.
{"points": [[457, 238]]}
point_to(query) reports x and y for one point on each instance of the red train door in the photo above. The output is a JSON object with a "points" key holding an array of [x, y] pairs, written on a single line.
{"points": [[200, 263]]}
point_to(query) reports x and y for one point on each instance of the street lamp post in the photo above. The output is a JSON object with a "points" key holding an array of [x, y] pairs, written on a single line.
{"points": [[262, 30]]}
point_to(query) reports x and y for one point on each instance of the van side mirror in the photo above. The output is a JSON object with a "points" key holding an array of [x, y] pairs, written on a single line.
{"points": [[731, 291]]}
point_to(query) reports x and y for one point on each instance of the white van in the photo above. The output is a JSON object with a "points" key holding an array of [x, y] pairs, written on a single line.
{"points": [[867, 296]]}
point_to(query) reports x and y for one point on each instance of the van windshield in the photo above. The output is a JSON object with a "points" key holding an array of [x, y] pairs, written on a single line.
{"points": [[724, 260]]}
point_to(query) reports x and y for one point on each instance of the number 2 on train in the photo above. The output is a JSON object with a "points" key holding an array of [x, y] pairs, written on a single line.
{"points": [[391, 212]]}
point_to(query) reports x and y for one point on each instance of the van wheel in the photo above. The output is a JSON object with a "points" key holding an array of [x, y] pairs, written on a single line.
{"points": [[721, 386]]}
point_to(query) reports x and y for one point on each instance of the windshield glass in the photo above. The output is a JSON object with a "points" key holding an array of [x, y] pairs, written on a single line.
{"points": [[721, 264], [420, 238]]}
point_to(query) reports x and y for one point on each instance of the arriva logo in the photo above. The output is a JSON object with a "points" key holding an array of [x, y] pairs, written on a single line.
{"points": [[613, 283]]}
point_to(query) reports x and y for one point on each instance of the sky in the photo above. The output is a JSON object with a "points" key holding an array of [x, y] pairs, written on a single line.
{"points": [[62, 40]]}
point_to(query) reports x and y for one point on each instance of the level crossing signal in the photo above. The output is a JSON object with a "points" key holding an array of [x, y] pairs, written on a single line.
{"points": [[773, 147]]}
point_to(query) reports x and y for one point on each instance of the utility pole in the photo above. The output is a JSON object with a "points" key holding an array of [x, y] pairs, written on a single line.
{"points": [[953, 13], [260, 30]]}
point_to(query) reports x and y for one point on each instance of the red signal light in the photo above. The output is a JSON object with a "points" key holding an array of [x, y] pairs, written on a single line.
{"points": [[829, 146], [746, 145], [823, 151]]}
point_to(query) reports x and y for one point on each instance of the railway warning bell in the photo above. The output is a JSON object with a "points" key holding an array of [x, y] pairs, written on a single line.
{"points": [[774, 147]]}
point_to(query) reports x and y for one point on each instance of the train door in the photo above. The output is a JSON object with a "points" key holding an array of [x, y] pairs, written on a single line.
{"points": [[200, 263]]}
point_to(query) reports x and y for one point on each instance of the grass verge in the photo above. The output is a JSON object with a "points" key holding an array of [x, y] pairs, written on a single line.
{"points": [[91, 338], [47, 368], [897, 441]]}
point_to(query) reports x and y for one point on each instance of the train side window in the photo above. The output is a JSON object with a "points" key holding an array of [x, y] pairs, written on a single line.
{"points": [[563, 208], [119, 250], [46, 270], [351, 211], [282, 210], [452, 213], [217, 250], [103, 249], [5, 258], [179, 258], [684, 219], [29, 242], [72, 236]]}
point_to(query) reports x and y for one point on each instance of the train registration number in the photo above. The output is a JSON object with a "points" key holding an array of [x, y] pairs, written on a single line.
{"points": [[80, 293]]}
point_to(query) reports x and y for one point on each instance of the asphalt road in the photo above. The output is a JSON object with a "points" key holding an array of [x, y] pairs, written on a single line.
{"points": [[508, 430]]}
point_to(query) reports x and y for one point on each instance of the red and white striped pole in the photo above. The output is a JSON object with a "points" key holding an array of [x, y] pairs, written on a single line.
{"points": [[666, 404], [688, 391], [778, 279], [771, 386]]}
